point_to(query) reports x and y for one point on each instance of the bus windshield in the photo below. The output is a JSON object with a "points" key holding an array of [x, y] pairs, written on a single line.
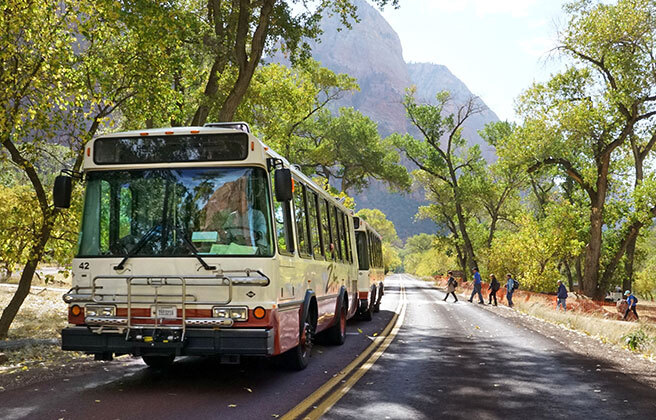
{"points": [[158, 212]]}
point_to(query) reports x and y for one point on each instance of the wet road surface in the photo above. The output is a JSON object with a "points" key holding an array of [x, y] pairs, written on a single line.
{"points": [[461, 361]]}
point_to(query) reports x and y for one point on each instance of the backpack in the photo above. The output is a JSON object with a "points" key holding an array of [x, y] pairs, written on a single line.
{"points": [[515, 284]]}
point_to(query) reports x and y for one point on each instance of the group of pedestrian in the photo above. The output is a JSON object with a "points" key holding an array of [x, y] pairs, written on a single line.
{"points": [[511, 286]]}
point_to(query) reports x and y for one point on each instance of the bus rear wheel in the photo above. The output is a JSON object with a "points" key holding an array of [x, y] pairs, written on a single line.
{"points": [[158, 361], [337, 333]]}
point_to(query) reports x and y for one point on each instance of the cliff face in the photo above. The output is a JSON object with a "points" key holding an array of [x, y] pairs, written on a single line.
{"points": [[371, 52]]}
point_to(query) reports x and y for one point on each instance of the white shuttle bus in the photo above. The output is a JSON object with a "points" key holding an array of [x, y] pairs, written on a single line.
{"points": [[203, 241], [371, 269]]}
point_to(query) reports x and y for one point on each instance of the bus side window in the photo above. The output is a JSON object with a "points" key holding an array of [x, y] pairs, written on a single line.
{"points": [[125, 212], [325, 229], [335, 229], [105, 201], [301, 220], [342, 234], [314, 224], [281, 214]]}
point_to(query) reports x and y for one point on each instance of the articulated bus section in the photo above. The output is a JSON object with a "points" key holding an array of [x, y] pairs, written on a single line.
{"points": [[203, 241]]}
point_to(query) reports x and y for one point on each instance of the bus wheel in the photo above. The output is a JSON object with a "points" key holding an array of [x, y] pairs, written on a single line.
{"points": [[369, 313], [299, 357], [158, 361], [379, 297], [337, 333]]}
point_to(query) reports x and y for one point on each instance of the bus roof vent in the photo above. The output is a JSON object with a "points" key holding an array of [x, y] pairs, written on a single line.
{"points": [[238, 125]]}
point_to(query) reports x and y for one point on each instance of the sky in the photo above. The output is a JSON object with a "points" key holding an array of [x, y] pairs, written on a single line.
{"points": [[498, 48]]}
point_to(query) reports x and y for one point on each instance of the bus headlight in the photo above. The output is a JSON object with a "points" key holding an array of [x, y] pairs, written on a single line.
{"points": [[235, 313], [102, 311]]}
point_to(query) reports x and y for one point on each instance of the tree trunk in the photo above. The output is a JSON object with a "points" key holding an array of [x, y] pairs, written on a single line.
{"points": [[10, 312], [579, 273], [590, 286], [628, 267], [568, 272], [493, 226]]}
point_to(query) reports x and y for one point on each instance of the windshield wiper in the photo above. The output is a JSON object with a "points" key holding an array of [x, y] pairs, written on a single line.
{"points": [[194, 251], [146, 238]]}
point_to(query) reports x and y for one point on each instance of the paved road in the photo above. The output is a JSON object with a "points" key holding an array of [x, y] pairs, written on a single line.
{"points": [[195, 388], [461, 361]]}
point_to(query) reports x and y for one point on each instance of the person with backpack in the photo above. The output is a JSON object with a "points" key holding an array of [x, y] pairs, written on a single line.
{"points": [[494, 288], [562, 296], [451, 287], [511, 286], [478, 285], [631, 302]]}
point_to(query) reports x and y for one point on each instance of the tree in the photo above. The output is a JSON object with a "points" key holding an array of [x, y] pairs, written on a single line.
{"points": [[236, 34], [443, 154], [580, 119], [65, 68]]}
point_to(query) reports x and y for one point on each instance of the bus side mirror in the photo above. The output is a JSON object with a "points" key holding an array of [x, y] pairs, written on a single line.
{"points": [[61, 193], [284, 185]]}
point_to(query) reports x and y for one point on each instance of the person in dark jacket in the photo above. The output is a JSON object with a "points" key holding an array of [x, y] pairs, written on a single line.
{"points": [[562, 296], [451, 287], [494, 288], [631, 302], [478, 286], [510, 289]]}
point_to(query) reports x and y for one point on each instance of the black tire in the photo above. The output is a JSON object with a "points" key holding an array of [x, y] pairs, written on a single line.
{"points": [[368, 314], [298, 358], [158, 361], [379, 297], [337, 333]]}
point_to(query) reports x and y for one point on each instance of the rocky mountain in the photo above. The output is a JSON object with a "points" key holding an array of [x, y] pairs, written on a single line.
{"points": [[371, 52]]}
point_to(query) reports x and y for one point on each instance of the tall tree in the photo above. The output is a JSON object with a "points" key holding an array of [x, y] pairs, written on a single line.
{"points": [[581, 118], [238, 32], [443, 153]]}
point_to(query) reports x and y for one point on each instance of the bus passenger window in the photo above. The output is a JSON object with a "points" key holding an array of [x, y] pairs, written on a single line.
{"points": [[314, 224], [342, 235], [325, 229], [347, 238], [335, 230], [282, 224], [301, 220]]}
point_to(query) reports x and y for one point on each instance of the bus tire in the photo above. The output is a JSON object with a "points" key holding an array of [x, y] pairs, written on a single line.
{"points": [[158, 361], [369, 313], [337, 333], [298, 358], [379, 297]]}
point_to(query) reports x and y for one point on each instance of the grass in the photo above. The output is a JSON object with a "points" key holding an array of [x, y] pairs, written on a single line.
{"points": [[637, 336], [42, 315]]}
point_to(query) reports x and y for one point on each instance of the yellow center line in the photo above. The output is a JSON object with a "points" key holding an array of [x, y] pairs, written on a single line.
{"points": [[380, 343]]}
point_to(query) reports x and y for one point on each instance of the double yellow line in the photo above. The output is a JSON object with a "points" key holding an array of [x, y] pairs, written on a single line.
{"points": [[332, 391]]}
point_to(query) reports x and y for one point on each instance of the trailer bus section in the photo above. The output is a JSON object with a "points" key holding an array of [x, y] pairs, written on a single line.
{"points": [[371, 271], [189, 247]]}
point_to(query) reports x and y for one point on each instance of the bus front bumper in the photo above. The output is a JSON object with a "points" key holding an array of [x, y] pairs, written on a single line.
{"points": [[197, 342]]}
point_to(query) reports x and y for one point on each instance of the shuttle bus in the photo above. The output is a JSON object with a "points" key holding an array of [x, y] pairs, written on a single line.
{"points": [[371, 271], [203, 241]]}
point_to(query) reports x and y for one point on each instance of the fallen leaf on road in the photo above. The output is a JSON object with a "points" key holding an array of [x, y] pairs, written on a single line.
{"points": [[375, 334], [275, 415], [359, 330], [248, 389], [232, 405], [97, 401], [370, 383]]}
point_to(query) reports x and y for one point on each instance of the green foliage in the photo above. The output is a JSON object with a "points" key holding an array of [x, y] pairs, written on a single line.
{"points": [[636, 340], [385, 228]]}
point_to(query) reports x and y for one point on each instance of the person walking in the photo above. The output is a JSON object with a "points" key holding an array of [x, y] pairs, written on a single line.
{"points": [[451, 287], [631, 302], [510, 288], [494, 288], [562, 296], [478, 285]]}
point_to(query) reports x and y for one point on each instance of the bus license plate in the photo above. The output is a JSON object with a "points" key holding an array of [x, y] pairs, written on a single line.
{"points": [[167, 312]]}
